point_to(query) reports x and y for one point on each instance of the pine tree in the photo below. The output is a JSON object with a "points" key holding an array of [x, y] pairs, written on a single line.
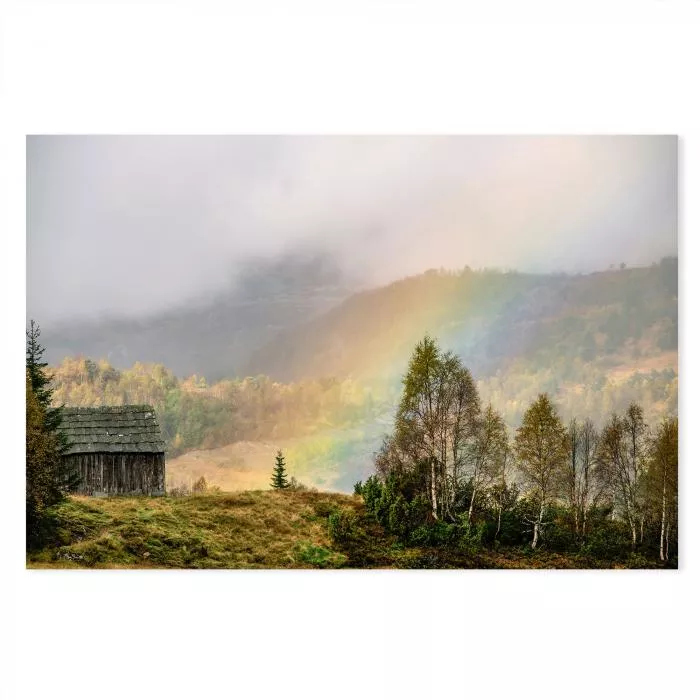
{"points": [[279, 476], [40, 382], [48, 479], [43, 464]]}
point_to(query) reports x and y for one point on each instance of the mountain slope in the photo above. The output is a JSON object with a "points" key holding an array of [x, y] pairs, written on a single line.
{"points": [[491, 319], [215, 337]]}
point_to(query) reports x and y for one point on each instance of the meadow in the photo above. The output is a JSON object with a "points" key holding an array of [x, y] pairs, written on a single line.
{"points": [[262, 529]]}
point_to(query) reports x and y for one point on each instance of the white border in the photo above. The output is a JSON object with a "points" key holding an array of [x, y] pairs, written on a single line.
{"points": [[385, 67]]}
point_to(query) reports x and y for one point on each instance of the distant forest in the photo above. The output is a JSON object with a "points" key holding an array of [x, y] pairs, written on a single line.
{"points": [[594, 343], [289, 324], [194, 415]]}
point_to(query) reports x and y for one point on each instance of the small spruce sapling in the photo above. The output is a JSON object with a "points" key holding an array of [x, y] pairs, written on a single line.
{"points": [[279, 475]]}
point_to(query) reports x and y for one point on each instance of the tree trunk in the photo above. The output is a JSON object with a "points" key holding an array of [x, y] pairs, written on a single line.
{"points": [[538, 525], [471, 509], [632, 523], [433, 489], [663, 555], [584, 494]]}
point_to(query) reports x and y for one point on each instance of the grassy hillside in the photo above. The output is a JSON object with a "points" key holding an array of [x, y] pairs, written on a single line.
{"points": [[254, 529]]}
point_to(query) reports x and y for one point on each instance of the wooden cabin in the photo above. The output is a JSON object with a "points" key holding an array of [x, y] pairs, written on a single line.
{"points": [[115, 450]]}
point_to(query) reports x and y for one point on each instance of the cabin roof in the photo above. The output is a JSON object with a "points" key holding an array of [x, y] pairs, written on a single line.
{"points": [[111, 429]]}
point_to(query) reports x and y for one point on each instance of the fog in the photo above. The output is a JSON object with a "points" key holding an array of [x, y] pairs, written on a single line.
{"points": [[126, 225]]}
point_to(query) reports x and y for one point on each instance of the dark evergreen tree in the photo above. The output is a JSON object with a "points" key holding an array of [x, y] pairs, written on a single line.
{"points": [[48, 480], [279, 475], [41, 385]]}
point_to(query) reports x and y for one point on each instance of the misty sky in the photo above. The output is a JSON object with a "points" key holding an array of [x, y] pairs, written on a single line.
{"points": [[126, 225]]}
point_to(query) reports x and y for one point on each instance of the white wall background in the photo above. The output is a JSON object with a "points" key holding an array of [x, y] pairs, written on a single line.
{"points": [[361, 67]]}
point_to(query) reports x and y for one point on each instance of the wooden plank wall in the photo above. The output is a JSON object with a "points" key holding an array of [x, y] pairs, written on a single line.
{"points": [[106, 474]]}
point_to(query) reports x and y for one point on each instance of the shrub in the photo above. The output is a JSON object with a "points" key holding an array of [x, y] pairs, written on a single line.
{"points": [[609, 540], [559, 539], [342, 524], [357, 489], [200, 486], [435, 535], [474, 536], [420, 536], [319, 556], [636, 560], [515, 530], [371, 493], [179, 491], [295, 485], [445, 533], [399, 518], [324, 508]]}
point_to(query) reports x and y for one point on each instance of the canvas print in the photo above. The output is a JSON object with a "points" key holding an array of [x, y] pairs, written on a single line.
{"points": [[405, 352]]}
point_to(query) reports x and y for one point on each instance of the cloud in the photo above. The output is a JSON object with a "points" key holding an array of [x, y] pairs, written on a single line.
{"points": [[131, 225]]}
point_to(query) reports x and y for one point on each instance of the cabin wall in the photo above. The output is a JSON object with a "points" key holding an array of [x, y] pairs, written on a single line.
{"points": [[106, 473]]}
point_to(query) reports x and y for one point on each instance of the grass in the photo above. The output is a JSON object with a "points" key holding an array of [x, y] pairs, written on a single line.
{"points": [[251, 530]]}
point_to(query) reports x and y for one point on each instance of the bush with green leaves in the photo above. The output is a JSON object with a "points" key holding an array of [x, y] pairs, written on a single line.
{"points": [[382, 507], [342, 524], [371, 493], [435, 535], [399, 519], [318, 557], [323, 509], [558, 534], [609, 540]]}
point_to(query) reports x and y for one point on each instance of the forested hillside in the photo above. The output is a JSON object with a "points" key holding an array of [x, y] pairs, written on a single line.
{"points": [[326, 388], [195, 415], [491, 319], [211, 337], [296, 318]]}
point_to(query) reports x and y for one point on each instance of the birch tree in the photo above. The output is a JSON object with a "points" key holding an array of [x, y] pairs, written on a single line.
{"points": [[583, 489], [504, 492], [662, 482], [542, 450], [435, 420], [488, 454], [620, 462]]}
